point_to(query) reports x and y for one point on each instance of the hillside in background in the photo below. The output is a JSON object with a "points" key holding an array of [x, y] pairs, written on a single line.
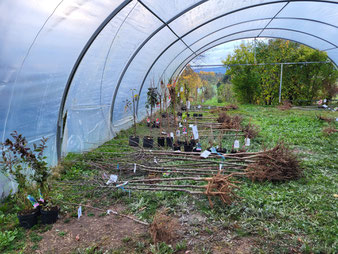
{"points": [[221, 70]]}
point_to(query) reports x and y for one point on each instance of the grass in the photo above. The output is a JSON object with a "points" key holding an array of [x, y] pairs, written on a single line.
{"points": [[283, 217]]}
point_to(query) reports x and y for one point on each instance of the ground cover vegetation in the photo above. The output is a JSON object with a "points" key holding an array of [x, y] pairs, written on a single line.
{"points": [[289, 216]]}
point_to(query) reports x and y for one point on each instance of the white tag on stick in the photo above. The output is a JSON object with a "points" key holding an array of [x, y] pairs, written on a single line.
{"points": [[247, 142], [236, 144]]}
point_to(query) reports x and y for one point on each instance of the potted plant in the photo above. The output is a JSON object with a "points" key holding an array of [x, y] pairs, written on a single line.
{"points": [[188, 147], [169, 141], [152, 100], [161, 141], [133, 140], [177, 146], [16, 159]]}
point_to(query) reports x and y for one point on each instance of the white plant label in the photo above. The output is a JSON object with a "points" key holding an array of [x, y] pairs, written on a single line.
{"points": [[247, 142], [205, 154], [220, 167], [178, 133], [188, 104], [171, 134], [236, 144], [79, 212], [134, 168], [181, 89], [180, 125], [112, 179], [195, 131], [199, 106]]}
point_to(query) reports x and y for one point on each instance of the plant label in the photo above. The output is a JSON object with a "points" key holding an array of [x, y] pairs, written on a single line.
{"points": [[134, 168], [220, 167], [195, 131], [236, 144], [181, 89], [178, 133], [112, 179], [188, 104], [79, 212], [199, 106], [247, 142], [171, 134], [180, 125], [205, 154]]}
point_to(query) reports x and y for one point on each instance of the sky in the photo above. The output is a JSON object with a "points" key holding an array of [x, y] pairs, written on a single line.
{"points": [[219, 53]]}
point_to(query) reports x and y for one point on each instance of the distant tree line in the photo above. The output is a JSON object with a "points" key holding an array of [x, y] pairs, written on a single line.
{"points": [[259, 84]]}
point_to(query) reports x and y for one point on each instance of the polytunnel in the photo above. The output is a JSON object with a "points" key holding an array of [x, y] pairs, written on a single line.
{"points": [[68, 66]]}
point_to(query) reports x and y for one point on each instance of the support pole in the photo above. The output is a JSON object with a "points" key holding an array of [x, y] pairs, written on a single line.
{"points": [[280, 84]]}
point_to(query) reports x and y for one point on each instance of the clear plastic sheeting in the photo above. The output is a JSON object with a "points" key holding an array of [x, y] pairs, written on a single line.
{"points": [[67, 67]]}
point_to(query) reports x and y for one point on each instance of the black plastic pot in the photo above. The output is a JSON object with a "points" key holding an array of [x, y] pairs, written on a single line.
{"points": [[164, 115], [183, 108], [233, 151], [169, 141], [134, 141], [28, 219], [194, 115], [177, 147], [188, 115], [161, 141], [221, 150], [49, 216], [148, 142], [200, 115], [193, 142], [188, 147], [179, 113]]}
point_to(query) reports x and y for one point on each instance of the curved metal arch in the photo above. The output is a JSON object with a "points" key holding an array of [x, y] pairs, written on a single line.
{"points": [[242, 22], [186, 61], [180, 38], [126, 67], [59, 128], [264, 28]]}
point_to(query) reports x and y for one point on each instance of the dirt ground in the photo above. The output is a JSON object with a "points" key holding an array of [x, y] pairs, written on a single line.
{"points": [[93, 231], [116, 234]]}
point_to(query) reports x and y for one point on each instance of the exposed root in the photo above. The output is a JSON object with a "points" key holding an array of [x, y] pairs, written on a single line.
{"points": [[251, 131], [277, 164], [229, 122], [222, 186], [326, 119], [285, 106], [330, 130], [164, 228]]}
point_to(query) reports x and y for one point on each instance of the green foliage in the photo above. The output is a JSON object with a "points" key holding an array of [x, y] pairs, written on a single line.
{"points": [[161, 248], [7, 238], [259, 84], [17, 159]]}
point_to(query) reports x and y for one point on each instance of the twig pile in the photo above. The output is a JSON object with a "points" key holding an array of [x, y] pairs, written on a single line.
{"points": [[277, 164], [229, 122]]}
